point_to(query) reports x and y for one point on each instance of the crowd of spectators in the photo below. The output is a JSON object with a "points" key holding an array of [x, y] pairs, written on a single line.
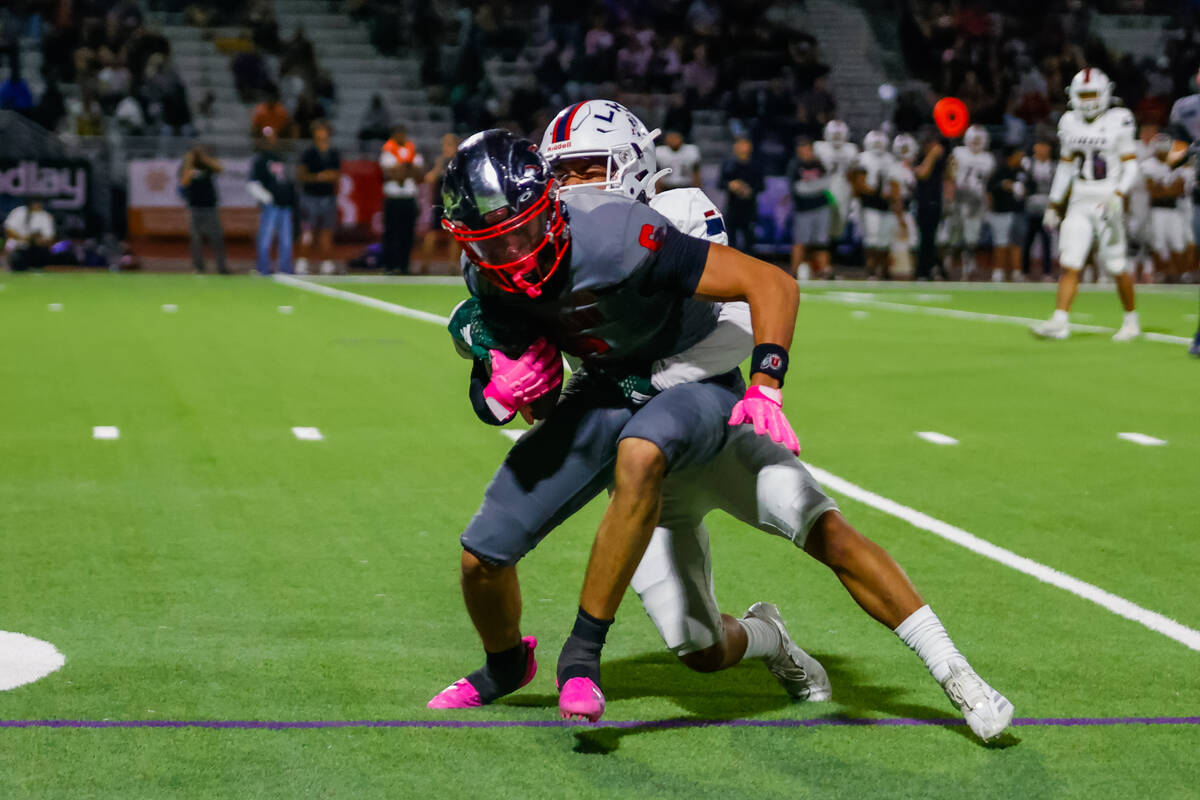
{"points": [[752, 59], [1009, 60]]}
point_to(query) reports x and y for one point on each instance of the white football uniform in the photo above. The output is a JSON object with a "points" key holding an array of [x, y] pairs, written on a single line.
{"points": [[681, 162], [1102, 150], [878, 221], [1187, 170], [753, 478], [972, 171], [1166, 224], [1137, 218], [837, 160]]}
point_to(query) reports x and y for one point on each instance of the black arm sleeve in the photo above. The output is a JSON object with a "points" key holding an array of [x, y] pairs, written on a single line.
{"points": [[678, 264], [479, 379]]}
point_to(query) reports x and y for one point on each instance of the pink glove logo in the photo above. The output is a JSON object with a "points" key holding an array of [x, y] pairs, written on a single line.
{"points": [[518, 382], [763, 406]]}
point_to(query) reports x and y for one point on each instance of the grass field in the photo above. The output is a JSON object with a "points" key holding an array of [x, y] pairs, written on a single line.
{"points": [[208, 566]]}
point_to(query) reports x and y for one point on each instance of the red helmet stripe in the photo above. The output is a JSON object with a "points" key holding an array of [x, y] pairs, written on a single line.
{"points": [[562, 129], [1087, 75]]}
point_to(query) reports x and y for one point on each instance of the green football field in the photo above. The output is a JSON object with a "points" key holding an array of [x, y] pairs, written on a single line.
{"points": [[209, 567]]}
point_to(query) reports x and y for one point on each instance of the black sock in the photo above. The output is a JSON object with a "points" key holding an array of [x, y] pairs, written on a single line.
{"points": [[501, 674], [580, 656]]}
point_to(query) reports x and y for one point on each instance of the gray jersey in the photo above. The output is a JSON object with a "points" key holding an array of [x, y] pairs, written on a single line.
{"points": [[622, 299]]}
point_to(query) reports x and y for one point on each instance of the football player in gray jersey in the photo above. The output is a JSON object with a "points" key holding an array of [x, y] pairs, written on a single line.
{"points": [[609, 281]]}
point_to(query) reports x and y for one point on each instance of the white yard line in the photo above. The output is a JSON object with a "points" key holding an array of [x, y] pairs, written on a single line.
{"points": [[361, 299], [1118, 605], [106, 432], [868, 300], [937, 438], [1142, 439], [308, 434]]}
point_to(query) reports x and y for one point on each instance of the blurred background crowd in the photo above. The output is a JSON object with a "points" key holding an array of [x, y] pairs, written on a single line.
{"points": [[387, 85]]}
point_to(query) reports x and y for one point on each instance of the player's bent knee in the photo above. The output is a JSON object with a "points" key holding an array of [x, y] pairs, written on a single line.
{"points": [[710, 659], [476, 569], [639, 462]]}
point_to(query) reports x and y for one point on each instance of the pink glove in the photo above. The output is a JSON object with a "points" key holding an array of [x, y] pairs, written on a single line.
{"points": [[518, 382], [763, 406]]}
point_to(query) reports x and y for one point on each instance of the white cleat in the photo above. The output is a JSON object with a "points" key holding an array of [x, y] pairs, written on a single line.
{"points": [[801, 675], [328, 267], [986, 711], [1050, 329], [1128, 332], [302, 266]]}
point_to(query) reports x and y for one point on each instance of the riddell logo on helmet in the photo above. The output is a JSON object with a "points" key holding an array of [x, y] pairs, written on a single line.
{"points": [[558, 146]]}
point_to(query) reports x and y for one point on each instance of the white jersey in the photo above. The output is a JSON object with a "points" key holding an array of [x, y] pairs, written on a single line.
{"points": [[972, 171], [1041, 175], [691, 212], [731, 341], [877, 169], [904, 177], [682, 163], [1099, 149], [836, 158], [1157, 173]]}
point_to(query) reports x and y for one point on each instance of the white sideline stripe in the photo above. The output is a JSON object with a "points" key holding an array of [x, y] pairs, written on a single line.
{"points": [[106, 432], [513, 434], [1141, 438], [361, 299], [937, 438], [170, 308], [308, 434], [857, 298], [1118, 605]]}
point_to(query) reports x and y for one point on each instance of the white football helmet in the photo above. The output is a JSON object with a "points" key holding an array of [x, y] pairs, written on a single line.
{"points": [[606, 129], [904, 147], [875, 142], [837, 132], [1090, 92], [976, 138]]}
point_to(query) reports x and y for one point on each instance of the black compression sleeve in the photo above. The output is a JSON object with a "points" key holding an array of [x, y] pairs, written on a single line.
{"points": [[479, 379], [678, 263]]}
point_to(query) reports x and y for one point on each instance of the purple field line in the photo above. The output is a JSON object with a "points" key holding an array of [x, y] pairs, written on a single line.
{"points": [[276, 725]]}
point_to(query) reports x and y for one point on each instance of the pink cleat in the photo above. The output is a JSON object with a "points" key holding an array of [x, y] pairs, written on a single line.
{"points": [[581, 698], [461, 694]]}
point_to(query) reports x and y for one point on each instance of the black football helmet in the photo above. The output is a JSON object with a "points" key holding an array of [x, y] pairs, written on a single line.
{"points": [[500, 202]]}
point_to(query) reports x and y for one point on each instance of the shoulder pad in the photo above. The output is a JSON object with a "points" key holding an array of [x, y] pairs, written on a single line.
{"points": [[692, 212], [607, 237]]}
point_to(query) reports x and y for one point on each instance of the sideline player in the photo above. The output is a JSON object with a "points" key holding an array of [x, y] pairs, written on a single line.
{"points": [[809, 184], [608, 280], [1165, 189], [838, 154], [1007, 190], [970, 170], [871, 177], [754, 480], [1097, 169], [905, 237]]}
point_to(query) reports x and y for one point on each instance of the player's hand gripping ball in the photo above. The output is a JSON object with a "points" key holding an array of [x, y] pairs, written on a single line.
{"points": [[951, 117], [519, 382]]}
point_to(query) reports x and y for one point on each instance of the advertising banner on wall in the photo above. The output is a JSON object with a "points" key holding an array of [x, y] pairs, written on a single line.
{"points": [[157, 206], [62, 184]]}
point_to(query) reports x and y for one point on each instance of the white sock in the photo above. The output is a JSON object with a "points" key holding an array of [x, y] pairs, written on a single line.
{"points": [[762, 638], [1131, 318], [1060, 316], [925, 636]]}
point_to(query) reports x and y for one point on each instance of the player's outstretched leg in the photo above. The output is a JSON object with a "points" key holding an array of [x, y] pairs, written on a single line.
{"points": [[1130, 326], [1059, 324], [880, 587]]}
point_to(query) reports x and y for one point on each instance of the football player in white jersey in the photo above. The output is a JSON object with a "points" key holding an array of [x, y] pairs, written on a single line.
{"points": [[838, 154], [753, 479], [1164, 188], [905, 238], [875, 186], [1097, 170], [971, 167]]}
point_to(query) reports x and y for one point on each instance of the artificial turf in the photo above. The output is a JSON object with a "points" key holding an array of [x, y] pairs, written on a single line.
{"points": [[207, 565]]}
